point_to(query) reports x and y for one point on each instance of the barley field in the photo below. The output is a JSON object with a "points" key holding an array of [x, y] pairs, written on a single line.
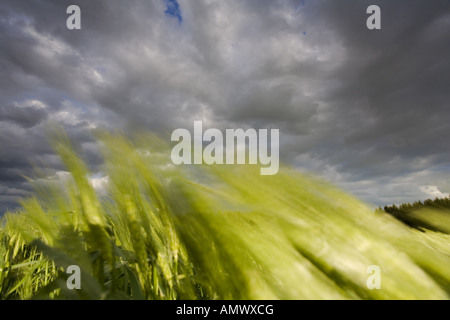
{"points": [[160, 231]]}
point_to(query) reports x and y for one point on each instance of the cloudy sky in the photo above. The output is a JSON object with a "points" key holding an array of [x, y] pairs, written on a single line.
{"points": [[366, 109]]}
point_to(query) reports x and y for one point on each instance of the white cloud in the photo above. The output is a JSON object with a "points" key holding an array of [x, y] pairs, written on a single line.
{"points": [[100, 184], [433, 192], [31, 103]]}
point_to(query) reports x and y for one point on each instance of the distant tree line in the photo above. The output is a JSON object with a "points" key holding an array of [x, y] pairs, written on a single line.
{"points": [[411, 215], [438, 203]]}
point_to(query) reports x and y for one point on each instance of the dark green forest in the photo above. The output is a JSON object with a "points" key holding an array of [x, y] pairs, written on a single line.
{"points": [[423, 215]]}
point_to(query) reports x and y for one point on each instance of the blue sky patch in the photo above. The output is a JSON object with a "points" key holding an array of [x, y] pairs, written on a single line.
{"points": [[173, 10]]}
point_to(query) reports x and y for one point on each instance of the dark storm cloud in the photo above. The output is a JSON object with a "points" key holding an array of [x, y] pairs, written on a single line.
{"points": [[24, 117], [368, 110], [388, 103]]}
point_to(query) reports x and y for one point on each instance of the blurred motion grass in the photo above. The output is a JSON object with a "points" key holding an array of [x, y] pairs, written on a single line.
{"points": [[219, 232]]}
